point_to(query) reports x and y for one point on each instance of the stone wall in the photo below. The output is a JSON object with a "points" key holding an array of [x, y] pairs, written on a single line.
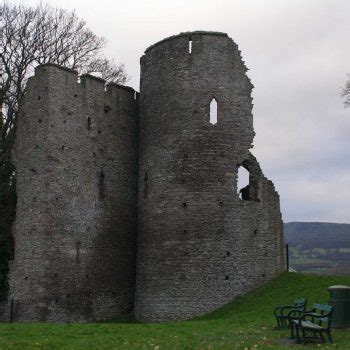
{"points": [[92, 171], [199, 244], [75, 229]]}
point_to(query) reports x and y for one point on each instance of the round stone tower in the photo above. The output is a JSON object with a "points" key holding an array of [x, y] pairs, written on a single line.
{"points": [[196, 249]]}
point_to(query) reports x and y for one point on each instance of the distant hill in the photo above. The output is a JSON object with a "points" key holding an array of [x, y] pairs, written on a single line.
{"points": [[319, 247], [308, 235]]}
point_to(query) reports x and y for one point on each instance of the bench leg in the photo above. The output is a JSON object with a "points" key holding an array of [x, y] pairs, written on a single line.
{"points": [[291, 330], [303, 335], [329, 336], [322, 337]]}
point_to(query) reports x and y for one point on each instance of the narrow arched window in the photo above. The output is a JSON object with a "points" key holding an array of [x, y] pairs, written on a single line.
{"points": [[213, 118]]}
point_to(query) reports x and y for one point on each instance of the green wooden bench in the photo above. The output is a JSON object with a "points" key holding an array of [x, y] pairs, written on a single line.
{"points": [[316, 321], [281, 312]]}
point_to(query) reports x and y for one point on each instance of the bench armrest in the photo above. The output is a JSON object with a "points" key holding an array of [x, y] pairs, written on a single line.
{"points": [[295, 314], [279, 310]]}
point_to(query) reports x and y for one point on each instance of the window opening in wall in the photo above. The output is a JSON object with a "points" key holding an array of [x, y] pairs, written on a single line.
{"points": [[243, 183], [89, 123], [190, 45], [213, 111], [145, 186], [101, 186]]}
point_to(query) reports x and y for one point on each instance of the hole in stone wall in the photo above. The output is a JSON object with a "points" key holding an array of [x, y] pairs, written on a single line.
{"points": [[77, 248], [107, 108], [26, 278], [36, 146], [33, 170], [75, 95], [88, 123], [101, 186], [39, 120], [55, 275], [228, 253], [255, 232], [145, 186], [221, 204], [213, 111], [185, 231], [39, 97], [184, 204], [190, 45], [56, 301], [243, 183], [62, 148], [99, 131], [226, 278]]}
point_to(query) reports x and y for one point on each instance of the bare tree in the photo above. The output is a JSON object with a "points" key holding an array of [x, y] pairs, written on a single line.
{"points": [[29, 37], [346, 92], [32, 36]]}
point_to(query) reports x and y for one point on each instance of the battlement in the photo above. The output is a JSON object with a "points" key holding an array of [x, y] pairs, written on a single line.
{"points": [[42, 70]]}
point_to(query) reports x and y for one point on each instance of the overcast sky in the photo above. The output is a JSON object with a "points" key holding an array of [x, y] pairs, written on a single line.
{"points": [[298, 54]]}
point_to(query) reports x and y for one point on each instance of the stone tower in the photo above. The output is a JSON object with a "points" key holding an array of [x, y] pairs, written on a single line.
{"points": [[199, 244], [98, 166], [75, 228]]}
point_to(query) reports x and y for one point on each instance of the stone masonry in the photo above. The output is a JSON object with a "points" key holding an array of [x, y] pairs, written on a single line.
{"points": [[129, 203]]}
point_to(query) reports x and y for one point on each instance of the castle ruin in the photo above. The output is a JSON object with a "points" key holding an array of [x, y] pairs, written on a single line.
{"points": [[128, 202]]}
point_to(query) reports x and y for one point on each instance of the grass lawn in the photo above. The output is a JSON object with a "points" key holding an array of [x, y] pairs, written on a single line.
{"points": [[246, 323]]}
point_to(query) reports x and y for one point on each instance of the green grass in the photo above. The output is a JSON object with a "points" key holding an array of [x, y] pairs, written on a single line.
{"points": [[246, 323]]}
